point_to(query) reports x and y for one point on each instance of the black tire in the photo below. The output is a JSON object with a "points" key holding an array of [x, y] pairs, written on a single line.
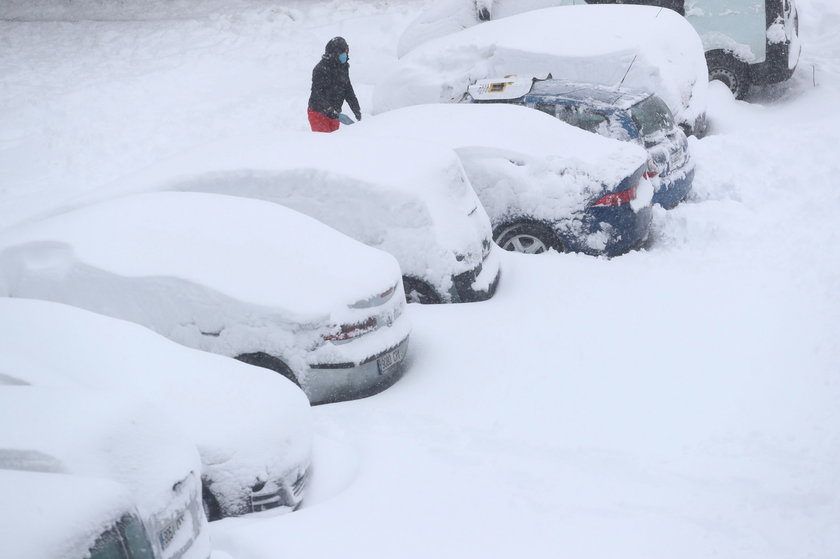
{"points": [[729, 70], [267, 361], [418, 291], [212, 510], [527, 237]]}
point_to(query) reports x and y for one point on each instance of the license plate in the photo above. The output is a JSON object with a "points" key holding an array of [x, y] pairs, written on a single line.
{"points": [[389, 360], [168, 534]]}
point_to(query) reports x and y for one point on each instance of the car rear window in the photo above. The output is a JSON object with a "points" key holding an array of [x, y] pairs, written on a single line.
{"points": [[574, 116], [652, 116]]}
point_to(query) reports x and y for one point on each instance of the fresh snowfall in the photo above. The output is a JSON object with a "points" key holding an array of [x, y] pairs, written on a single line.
{"points": [[680, 401]]}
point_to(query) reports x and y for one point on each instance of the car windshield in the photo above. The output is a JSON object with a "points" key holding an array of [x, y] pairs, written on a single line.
{"points": [[653, 117]]}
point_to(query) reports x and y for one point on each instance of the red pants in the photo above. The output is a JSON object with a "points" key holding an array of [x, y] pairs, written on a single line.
{"points": [[321, 122]]}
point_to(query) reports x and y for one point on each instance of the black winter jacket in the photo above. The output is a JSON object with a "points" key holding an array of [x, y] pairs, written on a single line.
{"points": [[331, 87]]}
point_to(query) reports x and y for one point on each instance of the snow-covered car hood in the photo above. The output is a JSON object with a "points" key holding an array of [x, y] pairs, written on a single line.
{"points": [[50, 515], [518, 159], [640, 46], [247, 422], [117, 437], [218, 273], [408, 198]]}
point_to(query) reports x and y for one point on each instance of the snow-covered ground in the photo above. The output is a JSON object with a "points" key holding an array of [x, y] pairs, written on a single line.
{"points": [[680, 402]]}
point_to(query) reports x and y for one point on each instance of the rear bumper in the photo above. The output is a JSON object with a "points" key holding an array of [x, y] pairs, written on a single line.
{"points": [[610, 231], [674, 188], [336, 382], [480, 283]]}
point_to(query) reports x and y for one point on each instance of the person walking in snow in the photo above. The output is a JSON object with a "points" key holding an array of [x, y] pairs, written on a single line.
{"points": [[331, 87]]}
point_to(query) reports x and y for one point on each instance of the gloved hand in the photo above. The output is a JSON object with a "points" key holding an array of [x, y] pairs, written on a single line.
{"points": [[358, 115], [331, 113]]}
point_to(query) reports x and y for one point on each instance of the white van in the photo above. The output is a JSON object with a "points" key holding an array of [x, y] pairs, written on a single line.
{"points": [[746, 41]]}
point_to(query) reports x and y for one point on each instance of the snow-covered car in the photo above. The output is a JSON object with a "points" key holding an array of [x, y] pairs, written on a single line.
{"points": [[544, 183], [50, 515], [641, 47], [219, 273], [745, 41], [410, 199], [114, 437], [624, 114], [252, 427]]}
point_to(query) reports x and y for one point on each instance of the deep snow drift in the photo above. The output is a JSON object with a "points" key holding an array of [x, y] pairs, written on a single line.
{"points": [[679, 401]]}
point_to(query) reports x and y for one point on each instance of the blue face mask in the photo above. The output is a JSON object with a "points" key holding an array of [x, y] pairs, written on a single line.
{"points": [[342, 57]]}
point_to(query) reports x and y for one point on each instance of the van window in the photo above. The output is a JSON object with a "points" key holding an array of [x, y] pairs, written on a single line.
{"points": [[653, 117]]}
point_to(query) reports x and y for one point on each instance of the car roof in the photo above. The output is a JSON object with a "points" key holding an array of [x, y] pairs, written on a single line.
{"points": [[592, 94], [233, 251], [504, 131]]}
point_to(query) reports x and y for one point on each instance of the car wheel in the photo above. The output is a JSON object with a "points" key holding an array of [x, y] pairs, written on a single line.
{"points": [[528, 237], [211, 506], [731, 71], [267, 361], [418, 291]]}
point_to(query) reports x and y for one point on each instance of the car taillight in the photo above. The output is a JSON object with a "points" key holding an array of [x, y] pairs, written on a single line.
{"points": [[350, 331], [617, 198]]}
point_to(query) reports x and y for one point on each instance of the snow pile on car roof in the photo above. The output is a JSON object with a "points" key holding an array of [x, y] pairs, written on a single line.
{"points": [[640, 46], [409, 198], [518, 159], [244, 420], [219, 273]]}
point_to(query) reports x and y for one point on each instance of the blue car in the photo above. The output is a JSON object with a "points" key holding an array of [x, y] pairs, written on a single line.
{"points": [[629, 115]]}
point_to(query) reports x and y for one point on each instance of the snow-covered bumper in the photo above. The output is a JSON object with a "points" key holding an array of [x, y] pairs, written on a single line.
{"points": [[478, 284], [349, 380], [223, 498]]}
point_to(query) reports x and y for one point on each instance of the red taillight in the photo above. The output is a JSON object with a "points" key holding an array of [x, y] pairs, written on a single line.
{"points": [[617, 198], [350, 331]]}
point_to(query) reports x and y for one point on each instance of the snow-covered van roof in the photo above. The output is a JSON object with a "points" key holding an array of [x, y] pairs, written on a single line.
{"points": [[247, 422], [49, 515], [638, 46]]}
